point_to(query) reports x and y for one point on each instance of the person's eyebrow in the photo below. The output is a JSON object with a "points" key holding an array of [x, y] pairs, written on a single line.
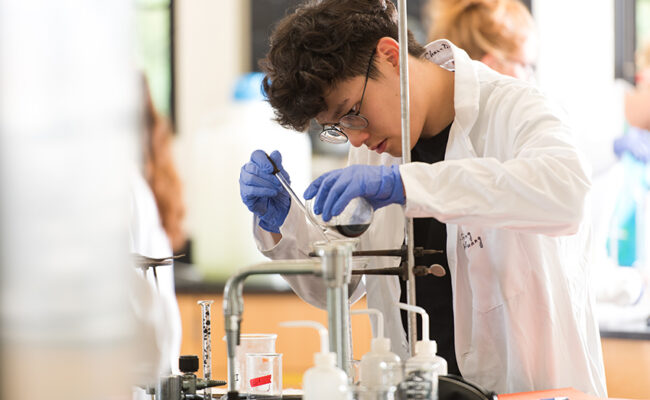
{"points": [[339, 111]]}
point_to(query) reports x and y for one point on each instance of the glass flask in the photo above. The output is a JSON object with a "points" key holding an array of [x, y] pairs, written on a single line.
{"points": [[353, 221]]}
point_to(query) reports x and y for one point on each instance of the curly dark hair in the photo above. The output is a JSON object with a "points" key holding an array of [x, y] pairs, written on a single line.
{"points": [[317, 46]]}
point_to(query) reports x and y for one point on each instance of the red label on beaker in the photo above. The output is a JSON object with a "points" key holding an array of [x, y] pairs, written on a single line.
{"points": [[262, 380]]}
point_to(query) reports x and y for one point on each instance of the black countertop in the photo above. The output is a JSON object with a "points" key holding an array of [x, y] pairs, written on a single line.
{"points": [[187, 280], [624, 321], [632, 330], [188, 287]]}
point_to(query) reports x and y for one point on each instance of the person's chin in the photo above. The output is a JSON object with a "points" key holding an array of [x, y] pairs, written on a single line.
{"points": [[394, 152], [389, 147]]}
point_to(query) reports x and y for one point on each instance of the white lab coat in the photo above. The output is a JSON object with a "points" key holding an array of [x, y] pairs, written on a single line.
{"points": [[154, 302], [513, 193]]}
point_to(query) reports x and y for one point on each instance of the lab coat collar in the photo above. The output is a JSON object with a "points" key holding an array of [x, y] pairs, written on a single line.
{"points": [[466, 83]]}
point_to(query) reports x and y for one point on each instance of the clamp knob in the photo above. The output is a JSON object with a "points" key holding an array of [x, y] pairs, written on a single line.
{"points": [[188, 364]]}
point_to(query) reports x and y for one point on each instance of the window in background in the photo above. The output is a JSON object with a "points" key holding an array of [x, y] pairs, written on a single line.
{"points": [[632, 25], [642, 22], [155, 51], [265, 14]]}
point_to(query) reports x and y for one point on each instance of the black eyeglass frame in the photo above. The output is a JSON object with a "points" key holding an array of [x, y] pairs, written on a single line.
{"points": [[332, 133]]}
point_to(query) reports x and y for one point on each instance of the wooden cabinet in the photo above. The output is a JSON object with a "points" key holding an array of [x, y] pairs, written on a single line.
{"points": [[627, 367], [262, 314]]}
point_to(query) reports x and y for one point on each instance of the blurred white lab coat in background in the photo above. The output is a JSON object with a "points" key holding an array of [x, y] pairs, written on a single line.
{"points": [[154, 301]]}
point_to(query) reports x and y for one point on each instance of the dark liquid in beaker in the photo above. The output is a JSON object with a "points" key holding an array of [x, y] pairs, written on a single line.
{"points": [[352, 230]]}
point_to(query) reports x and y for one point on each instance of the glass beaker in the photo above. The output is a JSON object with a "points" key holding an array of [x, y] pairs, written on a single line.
{"points": [[364, 393], [251, 343], [264, 375], [353, 221]]}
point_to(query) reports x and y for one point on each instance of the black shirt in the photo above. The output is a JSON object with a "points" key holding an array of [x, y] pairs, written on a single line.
{"points": [[433, 293]]}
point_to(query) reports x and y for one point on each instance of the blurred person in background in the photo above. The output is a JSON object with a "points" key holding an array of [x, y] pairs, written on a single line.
{"points": [[162, 176], [156, 230], [499, 33], [625, 227], [502, 35]]}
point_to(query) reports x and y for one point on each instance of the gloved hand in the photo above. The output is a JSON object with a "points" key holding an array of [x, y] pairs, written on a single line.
{"points": [[635, 142], [380, 185], [262, 192]]}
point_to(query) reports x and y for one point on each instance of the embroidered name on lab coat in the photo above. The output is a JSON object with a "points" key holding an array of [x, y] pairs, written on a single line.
{"points": [[467, 240]]}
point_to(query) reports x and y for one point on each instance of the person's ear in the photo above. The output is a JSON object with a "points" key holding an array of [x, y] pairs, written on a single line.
{"points": [[388, 49]]}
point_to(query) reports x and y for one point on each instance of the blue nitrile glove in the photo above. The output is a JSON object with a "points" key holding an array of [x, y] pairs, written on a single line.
{"points": [[635, 142], [262, 192], [380, 185]]}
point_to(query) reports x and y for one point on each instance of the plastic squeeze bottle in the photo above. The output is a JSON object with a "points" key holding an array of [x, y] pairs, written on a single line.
{"points": [[323, 381], [380, 368], [421, 370]]}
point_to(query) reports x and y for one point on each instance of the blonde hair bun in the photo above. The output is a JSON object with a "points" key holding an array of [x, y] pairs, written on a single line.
{"points": [[480, 27]]}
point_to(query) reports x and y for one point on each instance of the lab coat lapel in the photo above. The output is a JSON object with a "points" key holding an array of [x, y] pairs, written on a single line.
{"points": [[459, 146], [466, 103], [466, 95]]}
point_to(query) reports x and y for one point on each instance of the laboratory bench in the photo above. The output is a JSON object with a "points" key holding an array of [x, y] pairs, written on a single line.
{"points": [[626, 352], [626, 348]]}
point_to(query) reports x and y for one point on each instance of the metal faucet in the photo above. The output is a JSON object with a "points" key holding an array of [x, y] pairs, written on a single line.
{"points": [[336, 258], [233, 303], [334, 266]]}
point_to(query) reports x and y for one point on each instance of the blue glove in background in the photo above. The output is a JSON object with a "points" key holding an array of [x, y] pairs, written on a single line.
{"points": [[636, 142], [380, 185], [262, 192]]}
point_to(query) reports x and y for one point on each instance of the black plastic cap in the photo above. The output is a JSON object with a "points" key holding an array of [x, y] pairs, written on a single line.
{"points": [[188, 364]]}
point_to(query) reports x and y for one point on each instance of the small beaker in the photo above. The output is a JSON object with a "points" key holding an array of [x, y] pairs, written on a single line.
{"points": [[353, 221], [383, 387], [264, 375], [251, 343]]}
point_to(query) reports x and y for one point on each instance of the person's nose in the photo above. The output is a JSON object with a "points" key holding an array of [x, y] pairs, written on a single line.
{"points": [[357, 137]]}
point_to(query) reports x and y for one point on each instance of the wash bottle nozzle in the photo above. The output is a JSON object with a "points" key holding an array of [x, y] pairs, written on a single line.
{"points": [[426, 345], [325, 356], [379, 368], [379, 342], [376, 313], [424, 364]]}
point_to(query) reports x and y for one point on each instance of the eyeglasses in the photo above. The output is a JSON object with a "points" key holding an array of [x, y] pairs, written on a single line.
{"points": [[333, 133]]}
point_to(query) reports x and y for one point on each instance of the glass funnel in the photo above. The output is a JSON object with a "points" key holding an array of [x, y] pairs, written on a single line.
{"points": [[352, 222]]}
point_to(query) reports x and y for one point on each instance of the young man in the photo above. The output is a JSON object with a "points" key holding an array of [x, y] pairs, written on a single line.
{"points": [[496, 182]]}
